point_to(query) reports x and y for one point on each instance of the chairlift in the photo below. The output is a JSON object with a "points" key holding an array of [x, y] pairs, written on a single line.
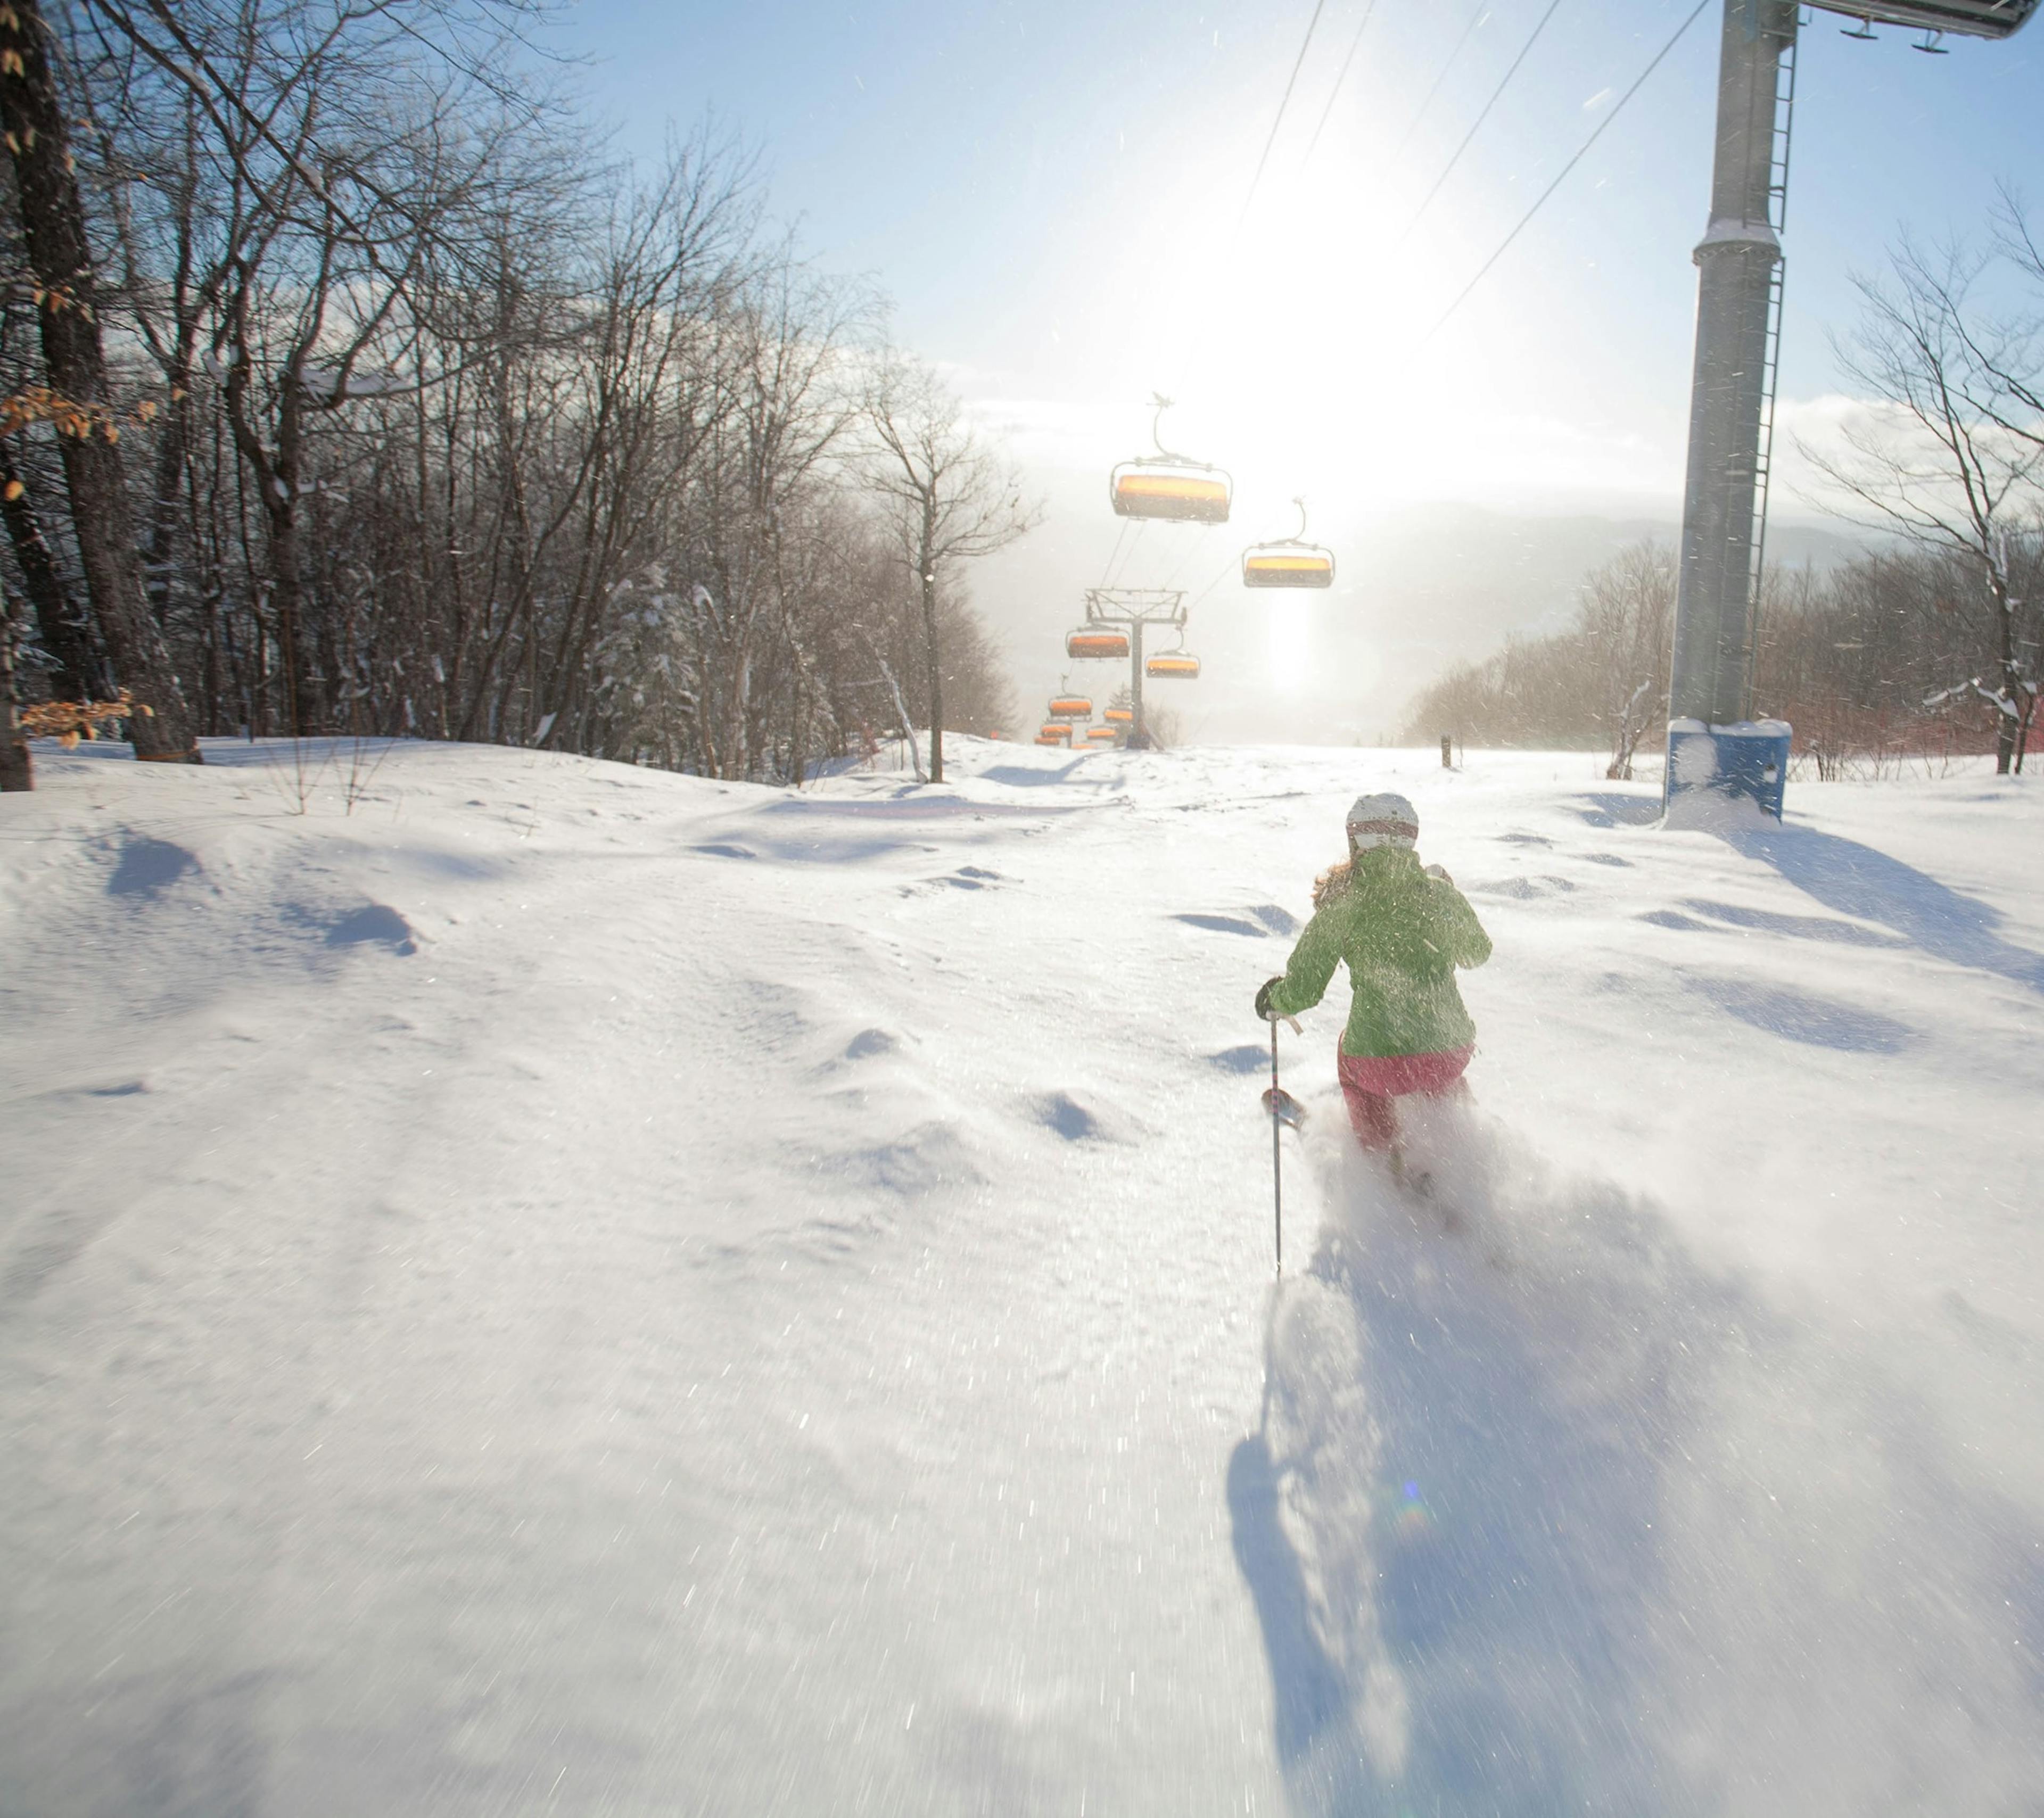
{"points": [[1170, 486], [1101, 641], [1102, 734], [1070, 707], [1059, 734], [1969, 18], [1119, 716], [1866, 32], [1290, 562], [1172, 665]]}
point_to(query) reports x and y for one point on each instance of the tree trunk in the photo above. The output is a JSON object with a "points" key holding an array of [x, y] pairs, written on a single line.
{"points": [[797, 749], [287, 595], [53, 232], [2011, 679], [900, 706], [275, 473], [166, 508], [926, 568], [16, 769], [63, 629]]}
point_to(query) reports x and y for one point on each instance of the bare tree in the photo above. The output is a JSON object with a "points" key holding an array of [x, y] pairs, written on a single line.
{"points": [[1603, 680], [949, 498], [63, 629], [463, 431], [1855, 657], [16, 771], [67, 299], [340, 149], [1941, 461], [1625, 620], [2006, 348]]}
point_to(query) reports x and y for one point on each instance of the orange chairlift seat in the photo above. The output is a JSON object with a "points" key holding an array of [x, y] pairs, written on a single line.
{"points": [[1102, 734], [1179, 664], [1290, 562], [1070, 707], [1057, 734], [1119, 716], [1170, 486], [1097, 641]]}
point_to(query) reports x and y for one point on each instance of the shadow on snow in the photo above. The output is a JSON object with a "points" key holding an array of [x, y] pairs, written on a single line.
{"points": [[1851, 879], [1856, 880]]}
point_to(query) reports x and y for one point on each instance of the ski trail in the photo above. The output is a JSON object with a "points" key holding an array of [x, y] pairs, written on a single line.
{"points": [[1545, 1518]]}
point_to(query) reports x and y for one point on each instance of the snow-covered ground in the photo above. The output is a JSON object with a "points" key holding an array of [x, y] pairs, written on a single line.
{"points": [[532, 1285]]}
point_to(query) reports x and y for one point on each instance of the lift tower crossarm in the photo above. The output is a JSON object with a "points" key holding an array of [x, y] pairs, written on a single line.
{"points": [[1135, 608]]}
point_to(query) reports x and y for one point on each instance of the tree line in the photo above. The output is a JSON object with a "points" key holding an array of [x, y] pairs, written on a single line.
{"points": [[1928, 643], [346, 391], [1886, 657]]}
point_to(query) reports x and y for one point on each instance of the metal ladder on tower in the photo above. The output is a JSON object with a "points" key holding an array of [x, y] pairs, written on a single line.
{"points": [[1778, 217]]}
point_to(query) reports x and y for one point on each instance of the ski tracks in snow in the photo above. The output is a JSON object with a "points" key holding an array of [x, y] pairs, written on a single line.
{"points": [[1545, 1518]]}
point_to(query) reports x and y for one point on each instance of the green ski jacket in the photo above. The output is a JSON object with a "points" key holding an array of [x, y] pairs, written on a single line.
{"points": [[1402, 933]]}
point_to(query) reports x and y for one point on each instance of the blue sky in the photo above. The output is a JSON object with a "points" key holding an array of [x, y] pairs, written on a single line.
{"points": [[1044, 190], [1048, 194]]}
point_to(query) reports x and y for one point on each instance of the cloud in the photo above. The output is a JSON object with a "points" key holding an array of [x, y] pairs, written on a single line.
{"points": [[1869, 436]]}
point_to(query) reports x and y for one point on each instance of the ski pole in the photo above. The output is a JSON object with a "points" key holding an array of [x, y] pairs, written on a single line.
{"points": [[1283, 1111], [1277, 1153]]}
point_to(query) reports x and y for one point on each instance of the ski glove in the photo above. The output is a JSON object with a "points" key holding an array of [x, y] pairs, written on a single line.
{"points": [[1263, 999]]}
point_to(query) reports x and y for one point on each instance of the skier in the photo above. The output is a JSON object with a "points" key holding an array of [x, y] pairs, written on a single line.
{"points": [[1403, 929]]}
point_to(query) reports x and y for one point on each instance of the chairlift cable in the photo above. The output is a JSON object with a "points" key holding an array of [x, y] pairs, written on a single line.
{"points": [[1191, 555], [1291, 81], [1227, 568], [1638, 83], [1120, 537], [1412, 126], [1276, 124], [1497, 95], [1114, 580], [1356, 43], [1220, 574]]}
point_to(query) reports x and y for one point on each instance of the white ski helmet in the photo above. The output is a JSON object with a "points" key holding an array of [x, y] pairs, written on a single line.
{"points": [[1382, 820]]}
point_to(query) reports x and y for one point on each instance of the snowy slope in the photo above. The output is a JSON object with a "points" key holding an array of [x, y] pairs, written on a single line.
{"points": [[534, 1286]]}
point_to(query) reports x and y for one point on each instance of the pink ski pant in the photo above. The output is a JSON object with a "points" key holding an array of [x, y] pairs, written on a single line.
{"points": [[1370, 1082]]}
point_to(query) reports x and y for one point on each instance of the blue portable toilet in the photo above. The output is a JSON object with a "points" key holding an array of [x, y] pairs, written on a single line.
{"points": [[1747, 761]]}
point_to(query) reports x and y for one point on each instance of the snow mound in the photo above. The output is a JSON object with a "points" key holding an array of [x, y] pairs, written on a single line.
{"points": [[1544, 1516], [759, 1311]]}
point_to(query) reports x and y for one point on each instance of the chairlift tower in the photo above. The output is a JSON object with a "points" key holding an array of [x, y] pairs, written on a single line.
{"points": [[1710, 741], [1137, 608]]}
